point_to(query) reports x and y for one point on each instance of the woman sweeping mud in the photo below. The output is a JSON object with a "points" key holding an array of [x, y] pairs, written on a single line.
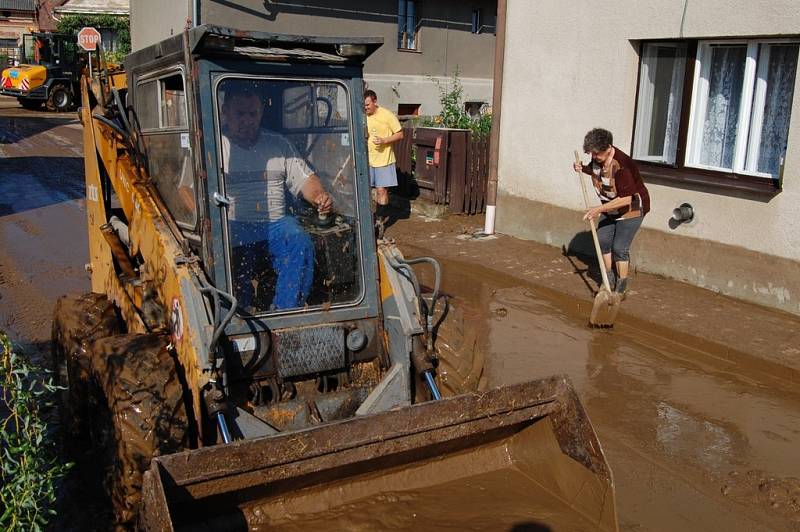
{"points": [[624, 201]]}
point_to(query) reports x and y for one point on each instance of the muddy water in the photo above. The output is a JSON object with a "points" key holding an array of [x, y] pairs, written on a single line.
{"points": [[693, 444], [492, 487]]}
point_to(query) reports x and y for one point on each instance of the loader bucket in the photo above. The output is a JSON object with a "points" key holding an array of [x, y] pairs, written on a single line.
{"points": [[523, 457]]}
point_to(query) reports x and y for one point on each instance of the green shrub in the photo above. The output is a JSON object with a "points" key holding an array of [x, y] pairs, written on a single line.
{"points": [[453, 114], [29, 466]]}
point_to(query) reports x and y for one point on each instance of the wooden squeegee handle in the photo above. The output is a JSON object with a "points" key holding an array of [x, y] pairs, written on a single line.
{"points": [[600, 262]]}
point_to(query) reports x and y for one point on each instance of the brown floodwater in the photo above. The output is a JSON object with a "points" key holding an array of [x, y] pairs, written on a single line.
{"points": [[694, 442], [506, 485]]}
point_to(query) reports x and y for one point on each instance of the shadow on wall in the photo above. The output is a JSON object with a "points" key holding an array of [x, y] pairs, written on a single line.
{"points": [[370, 12]]}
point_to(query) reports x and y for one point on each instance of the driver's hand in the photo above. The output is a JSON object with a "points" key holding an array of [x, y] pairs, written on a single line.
{"points": [[324, 203]]}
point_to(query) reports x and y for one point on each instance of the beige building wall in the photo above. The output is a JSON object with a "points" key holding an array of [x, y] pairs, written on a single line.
{"points": [[16, 25], [572, 66], [399, 77], [155, 20]]}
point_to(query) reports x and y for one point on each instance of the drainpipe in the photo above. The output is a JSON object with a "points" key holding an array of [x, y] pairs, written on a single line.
{"points": [[194, 9], [494, 137]]}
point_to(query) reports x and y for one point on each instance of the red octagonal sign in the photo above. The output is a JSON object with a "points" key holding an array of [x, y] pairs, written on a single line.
{"points": [[88, 38]]}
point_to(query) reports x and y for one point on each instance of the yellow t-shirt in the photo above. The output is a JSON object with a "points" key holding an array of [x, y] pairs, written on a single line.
{"points": [[382, 123]]}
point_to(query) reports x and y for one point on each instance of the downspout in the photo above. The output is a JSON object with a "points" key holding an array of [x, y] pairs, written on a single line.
{"points": [[194, 8], [494, 137]]}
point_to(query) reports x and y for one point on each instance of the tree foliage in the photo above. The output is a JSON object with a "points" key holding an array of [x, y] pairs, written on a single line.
{"points": [[29, 466], [72, 24]]}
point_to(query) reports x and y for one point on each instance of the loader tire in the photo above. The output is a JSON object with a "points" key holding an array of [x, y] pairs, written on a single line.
{"points": [[140, 412], [60, 98], [77, 322]]}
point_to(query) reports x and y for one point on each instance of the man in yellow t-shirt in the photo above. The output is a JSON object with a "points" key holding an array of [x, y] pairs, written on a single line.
{"points": [[384, 129]]}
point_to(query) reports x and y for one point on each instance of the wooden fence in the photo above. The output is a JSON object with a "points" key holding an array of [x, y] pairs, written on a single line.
{"points": [[459, 174]]}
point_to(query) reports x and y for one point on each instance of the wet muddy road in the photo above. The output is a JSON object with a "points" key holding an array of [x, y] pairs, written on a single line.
{"points": [[43, 244], [694, 445]]}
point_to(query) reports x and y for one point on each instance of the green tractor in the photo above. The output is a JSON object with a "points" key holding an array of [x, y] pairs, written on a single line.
{"points": [[48, 72]]}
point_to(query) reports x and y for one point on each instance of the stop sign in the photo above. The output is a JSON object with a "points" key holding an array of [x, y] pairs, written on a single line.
{"points": [[88, 38]]}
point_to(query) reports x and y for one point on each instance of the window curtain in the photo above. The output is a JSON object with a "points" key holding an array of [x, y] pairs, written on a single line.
{"points": [[777, 107], [674, 109], [721, 119]]}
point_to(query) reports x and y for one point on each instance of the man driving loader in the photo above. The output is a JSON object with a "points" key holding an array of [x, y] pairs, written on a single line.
{"points": [[259, 166]]}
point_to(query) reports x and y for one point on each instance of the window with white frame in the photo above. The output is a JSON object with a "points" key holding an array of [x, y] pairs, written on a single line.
{"points": [[735, 119], [660, 94]]}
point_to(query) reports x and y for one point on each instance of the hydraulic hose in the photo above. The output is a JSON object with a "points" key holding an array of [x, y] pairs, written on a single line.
{"points": [[223, 427], [404, 267], [426, 312], [432, 385]]}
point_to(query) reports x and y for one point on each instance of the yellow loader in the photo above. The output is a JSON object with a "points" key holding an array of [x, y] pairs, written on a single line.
{"points": [[48, 73], [251, 357]]}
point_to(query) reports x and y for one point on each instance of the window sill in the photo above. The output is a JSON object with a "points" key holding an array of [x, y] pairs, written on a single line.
{"points": [[410, 50], [715, 181]]}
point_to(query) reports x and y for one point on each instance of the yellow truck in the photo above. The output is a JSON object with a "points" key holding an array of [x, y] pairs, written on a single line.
{"points": [[251, 356], [47, 74]]}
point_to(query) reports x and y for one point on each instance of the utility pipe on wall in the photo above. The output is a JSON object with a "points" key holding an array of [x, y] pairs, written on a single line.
{"points": [[494, 137], [194, 11]]}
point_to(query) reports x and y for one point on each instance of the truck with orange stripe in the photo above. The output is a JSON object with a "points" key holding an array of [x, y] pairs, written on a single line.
{"points": [[48, 72]]}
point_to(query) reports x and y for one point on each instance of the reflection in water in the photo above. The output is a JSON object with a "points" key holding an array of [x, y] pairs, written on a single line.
{"points": [[675, 428]]}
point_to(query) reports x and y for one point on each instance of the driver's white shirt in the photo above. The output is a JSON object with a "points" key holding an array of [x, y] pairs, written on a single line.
{"points": [[255, 176]]}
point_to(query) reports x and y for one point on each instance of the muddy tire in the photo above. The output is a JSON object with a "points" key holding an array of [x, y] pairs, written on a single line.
{"points": [[139, 412], [77, 322], [31, 105], [461, 355], [60, 98]]}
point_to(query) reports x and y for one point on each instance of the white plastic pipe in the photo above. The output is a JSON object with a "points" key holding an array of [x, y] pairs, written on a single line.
{"points": [[488, 226]]}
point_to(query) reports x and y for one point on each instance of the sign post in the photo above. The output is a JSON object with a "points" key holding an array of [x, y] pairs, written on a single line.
{"points": [[88, 39]]}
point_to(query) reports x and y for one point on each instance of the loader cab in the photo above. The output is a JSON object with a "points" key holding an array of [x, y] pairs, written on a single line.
{"points": [[48, 49], [241, 200]]}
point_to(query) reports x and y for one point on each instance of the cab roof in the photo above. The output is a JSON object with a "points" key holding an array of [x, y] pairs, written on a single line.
{"points": [[210, 40]]}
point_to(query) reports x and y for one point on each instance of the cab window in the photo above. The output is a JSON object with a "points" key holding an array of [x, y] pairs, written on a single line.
{"points": [[160, 104], [279, 139]]}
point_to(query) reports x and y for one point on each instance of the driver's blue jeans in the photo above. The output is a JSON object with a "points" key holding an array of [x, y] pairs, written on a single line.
{"points": [[291, 252]]}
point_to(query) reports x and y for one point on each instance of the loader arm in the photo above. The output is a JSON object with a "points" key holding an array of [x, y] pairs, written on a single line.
{"points": [[163, 294]]}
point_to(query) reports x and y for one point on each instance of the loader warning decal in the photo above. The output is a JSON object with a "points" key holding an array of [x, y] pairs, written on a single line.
{"points": [[176, 320]]}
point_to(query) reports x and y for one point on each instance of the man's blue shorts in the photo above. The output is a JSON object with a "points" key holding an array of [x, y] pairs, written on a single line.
{"points": [[383, 176]]}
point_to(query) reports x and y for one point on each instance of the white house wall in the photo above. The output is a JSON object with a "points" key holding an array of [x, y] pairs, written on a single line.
{"points": [[572, 66]]}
